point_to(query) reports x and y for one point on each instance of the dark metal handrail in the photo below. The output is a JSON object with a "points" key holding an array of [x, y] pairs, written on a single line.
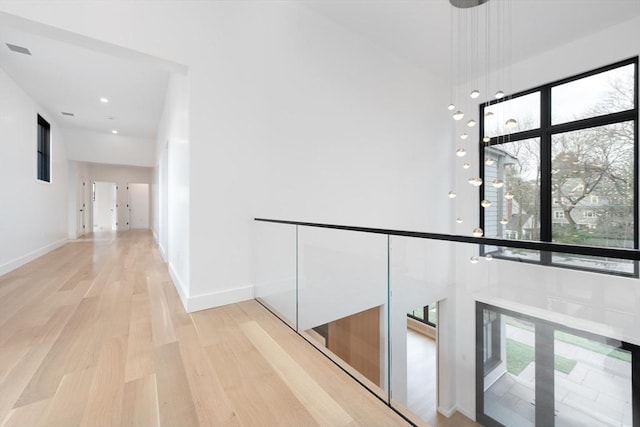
{"points": [[628, 254]]}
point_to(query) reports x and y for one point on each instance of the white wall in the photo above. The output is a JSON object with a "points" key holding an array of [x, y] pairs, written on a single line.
{"points": [[162, 185], [89, 146], [560, 295], [172, 178], [77, 196], [332, 129], [33, 214], [350, 132]]}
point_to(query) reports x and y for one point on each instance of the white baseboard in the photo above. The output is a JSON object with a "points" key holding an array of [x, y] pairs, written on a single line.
{"points": [[177, 283], [446, 412], [205, 301], [449, 412], [163, 253], [216, 299], [22, 260]]}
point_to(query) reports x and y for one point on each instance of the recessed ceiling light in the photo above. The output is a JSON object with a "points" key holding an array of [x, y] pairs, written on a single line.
{"points": [[18, 49], [64, 113], [115, 132], [104, 100]]}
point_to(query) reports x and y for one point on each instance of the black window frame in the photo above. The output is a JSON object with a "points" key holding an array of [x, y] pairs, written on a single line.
{"points": [[43, 150], [545, 133]]}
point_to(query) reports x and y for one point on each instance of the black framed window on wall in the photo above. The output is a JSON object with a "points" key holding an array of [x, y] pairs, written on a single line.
{"points": [[567, 170], [44, 150]]}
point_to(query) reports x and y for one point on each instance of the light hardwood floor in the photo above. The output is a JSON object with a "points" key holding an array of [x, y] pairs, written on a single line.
{"points": [[421, 375], [94, 334], [421, 383]]}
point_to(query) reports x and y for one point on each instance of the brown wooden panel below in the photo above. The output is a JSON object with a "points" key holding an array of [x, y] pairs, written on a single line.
{"points": [[356, 340]]}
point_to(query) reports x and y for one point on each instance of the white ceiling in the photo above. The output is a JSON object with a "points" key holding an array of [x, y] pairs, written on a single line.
{"points": [[419, 30], [65, 77]]}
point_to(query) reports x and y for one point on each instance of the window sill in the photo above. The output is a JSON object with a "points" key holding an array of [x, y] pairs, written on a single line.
{"points": [[421, 328]]}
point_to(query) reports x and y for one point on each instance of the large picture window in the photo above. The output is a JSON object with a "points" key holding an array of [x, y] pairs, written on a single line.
{"points": [[567, 170]]}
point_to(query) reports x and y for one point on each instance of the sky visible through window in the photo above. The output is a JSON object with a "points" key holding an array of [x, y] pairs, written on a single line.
{"points": [[575, 100]]}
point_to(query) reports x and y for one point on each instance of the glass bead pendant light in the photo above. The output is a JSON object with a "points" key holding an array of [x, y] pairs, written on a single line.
{"points": [[458, 115], [474, 94], [511, 123], [504, 221], [471, 123], [499, 94], [466, 165], [508, 195], [452, 194], [489, 161], [477, 232], [451, 107], [488, 115], [459, 220], [473, 260], [485, 203], [476, 182], [488, 257], [497, 183], [486, 139], [461, 152], [464, 136]]}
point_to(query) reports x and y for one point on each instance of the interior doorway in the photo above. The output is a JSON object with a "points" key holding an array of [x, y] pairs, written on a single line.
{"points": [[105, 206], [138, 206]]}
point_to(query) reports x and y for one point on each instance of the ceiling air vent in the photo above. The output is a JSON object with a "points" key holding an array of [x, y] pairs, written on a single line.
{"points": [[64, 113], [18, 49]]}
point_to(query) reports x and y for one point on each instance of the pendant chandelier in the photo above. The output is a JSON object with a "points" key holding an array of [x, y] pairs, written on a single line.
{"points": [[480, 40]]}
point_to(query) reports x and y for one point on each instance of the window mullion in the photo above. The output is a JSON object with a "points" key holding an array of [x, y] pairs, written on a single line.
{"points": [[591, 122], [545, 170]]}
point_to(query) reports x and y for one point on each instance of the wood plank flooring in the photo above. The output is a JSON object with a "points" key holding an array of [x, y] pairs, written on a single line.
{"points": [[94, 334]]}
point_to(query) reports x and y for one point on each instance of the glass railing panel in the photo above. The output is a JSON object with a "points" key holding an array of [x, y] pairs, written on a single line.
{"points": [[584, 295], [275, 269], [526, 328], [421, 276], [342, 300]]}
